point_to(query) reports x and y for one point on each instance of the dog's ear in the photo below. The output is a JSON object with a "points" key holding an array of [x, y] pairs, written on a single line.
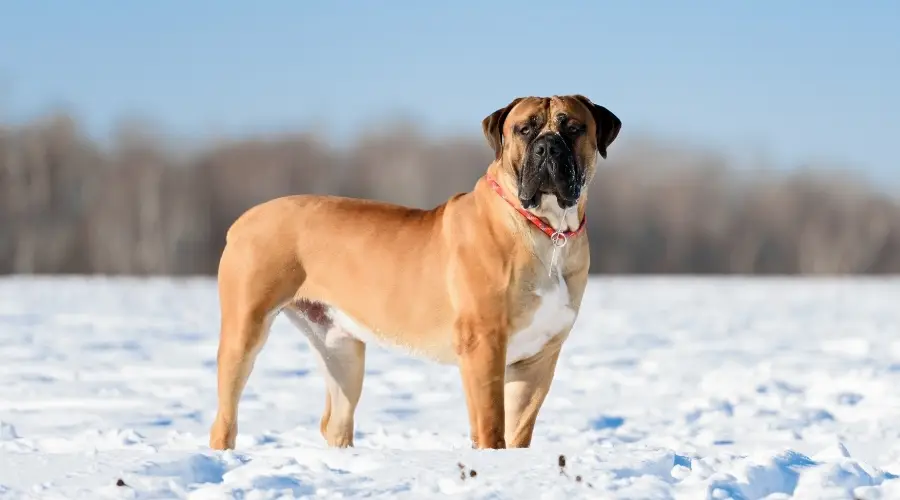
{"points": [[492, 126], [608, 124]]}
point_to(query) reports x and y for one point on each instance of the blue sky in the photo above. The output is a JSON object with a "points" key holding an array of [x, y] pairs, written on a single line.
{"points": [[794, 81]]}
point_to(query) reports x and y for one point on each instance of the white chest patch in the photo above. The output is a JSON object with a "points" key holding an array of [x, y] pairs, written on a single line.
{"points": [[563, 220], [553, 315]]}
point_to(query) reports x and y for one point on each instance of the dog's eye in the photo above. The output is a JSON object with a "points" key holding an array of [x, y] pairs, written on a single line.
{"points": [[575, 129], [525, 130]]}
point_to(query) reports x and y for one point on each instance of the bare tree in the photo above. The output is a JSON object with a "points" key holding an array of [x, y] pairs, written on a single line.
{"points": [[141, 205]]}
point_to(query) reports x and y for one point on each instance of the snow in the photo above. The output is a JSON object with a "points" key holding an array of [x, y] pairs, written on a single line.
{"points": [[667, 388]]}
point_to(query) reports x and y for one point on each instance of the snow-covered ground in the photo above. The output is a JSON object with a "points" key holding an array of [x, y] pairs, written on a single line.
{"points": [[668, 388]]}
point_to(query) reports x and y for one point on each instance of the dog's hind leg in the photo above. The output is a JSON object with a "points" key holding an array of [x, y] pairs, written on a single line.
{"points": [[242, 340], [248, 306], [341, 359]]}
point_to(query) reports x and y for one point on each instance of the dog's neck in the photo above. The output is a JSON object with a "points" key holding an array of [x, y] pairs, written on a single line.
{"points": [[548, 211], [555, 216]]}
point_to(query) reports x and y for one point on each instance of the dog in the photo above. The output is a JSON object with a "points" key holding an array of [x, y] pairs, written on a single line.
{"points": [[490, 281]]}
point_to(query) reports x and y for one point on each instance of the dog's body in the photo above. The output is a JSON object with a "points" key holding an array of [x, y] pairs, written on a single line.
{"points": [[471, 282]]}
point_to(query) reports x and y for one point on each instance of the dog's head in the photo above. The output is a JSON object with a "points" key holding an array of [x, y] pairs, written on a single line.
{"points": [[549, 146]]}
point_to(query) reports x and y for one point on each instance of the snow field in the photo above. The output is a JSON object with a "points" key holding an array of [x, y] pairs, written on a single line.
{"points": [[668, 388]]}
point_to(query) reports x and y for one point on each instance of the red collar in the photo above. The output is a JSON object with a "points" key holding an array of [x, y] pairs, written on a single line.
{"points": [[552, 233]]}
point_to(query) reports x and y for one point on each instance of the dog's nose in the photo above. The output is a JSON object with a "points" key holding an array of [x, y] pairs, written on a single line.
{"points": [[548, 145]]}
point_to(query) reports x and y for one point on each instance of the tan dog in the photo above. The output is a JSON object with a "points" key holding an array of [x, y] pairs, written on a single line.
{"points": [[490, 281]]}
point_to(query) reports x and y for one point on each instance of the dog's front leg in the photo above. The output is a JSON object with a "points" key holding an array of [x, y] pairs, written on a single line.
{"points": [[527, 384], [481, 347]]}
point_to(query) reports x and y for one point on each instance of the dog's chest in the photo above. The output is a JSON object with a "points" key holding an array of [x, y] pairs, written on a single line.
{"points": [[552, 315]]}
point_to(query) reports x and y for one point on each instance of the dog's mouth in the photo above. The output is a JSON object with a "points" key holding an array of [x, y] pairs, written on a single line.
{"points": [[530, 202], [563, 182], [567, 194], [534, 200], [550, 168]]}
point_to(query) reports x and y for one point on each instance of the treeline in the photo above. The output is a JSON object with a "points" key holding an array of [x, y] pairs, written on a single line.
{"points": [[139, 205]]}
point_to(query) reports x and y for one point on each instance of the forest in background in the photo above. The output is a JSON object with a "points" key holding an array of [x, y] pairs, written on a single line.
{"points": [[140, 205]]}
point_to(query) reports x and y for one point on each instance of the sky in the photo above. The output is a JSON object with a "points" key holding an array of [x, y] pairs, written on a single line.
{"points": [[795, 82]]}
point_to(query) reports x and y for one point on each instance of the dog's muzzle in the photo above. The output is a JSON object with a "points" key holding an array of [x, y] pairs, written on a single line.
{"points": [[550, 168]]}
